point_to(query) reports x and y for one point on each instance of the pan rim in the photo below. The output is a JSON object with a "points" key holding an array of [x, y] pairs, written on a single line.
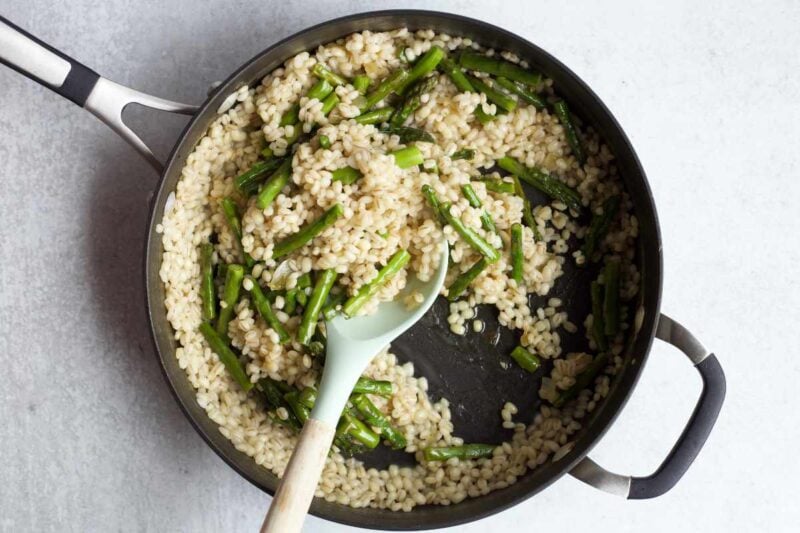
{"points": [[602, 422]]}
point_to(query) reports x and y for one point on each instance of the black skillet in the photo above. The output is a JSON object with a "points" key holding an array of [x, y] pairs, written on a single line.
{"points": [[466, 370]]}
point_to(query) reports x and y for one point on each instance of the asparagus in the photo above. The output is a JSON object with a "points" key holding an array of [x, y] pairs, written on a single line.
{"points": [[598, 324], [290, 302], [324, 73], [433, 203], [324, 142], [583, 380], [226, 355], [527, 213], [493, 94], [465, 451], [247, 182], [330, 101], [304, 281], [464, 153], [267, 153], [408, 157], [308, 232], [482, 116], [384, 89], [424, 65], [552, 187], [516, 253], [347, 175], [291, 116], [574, 140], [498, 67], [230, 295], [368, 290], [524, 358], [470, 236], [611, 299], [275, 184], [375, 418], [528, 96], [371, 386], [300, 410], [329, 309], [408, 135], [361, 83], [598, 228], [499, 186], [262, 305], [273, 393], [359, 431], [463, 281], [311, 313], [486, 219], [207, 296], [456, 75], [376, 116], [413, 99], [301, 297], [231, 212]]}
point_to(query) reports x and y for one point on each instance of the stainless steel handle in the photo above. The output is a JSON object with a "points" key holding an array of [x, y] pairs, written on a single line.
{"points": [[102, 97], [691, 440]]}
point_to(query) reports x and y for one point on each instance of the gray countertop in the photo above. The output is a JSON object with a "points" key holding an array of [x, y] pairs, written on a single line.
{"points": [[92, 439]]}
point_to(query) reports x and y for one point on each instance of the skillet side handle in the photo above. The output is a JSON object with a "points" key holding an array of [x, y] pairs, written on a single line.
{"points": [[691, 440], [57, 71]]}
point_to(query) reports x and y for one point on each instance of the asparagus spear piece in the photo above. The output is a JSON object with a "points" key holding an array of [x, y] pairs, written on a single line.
{"points": [[482, 116], [552, 187], [526, 359], [311, 313], [324, 73], [424, 65], [408, 135], [275, 184], [371, 386], [375, 418], [433, 203], [308, 232], [486, 219], [528, 96], [574, 140], [598, 228], [598, 324], [291, 116], [376, 116], [262, 305], [611, 299], [413, 99], [347, 175], [324, 142], [527, 214], [465, 451], [464, 153], [247, 182], [361, 83], [464, 280], [329, 309], [498, 67], [267, 153], [348, 424], [493, 94], [300, 410], [231, 212], [330, 101], [456, 75], [408, 157], [226, 355], [273, 394], [290, 302], [230, 295], [499, 186], [207, 296], [469, 235], [516, 253], [384, 89], [368, 290], [583, 380]]}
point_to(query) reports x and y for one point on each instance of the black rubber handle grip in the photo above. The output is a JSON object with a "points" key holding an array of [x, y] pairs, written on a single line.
{"points": [[693, 437], [79, 81]]}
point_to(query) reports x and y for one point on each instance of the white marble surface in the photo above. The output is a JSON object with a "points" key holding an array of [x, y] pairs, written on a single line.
{"points": [[708, 93]]}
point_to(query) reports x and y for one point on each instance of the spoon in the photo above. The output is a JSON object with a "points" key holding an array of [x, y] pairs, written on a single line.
{"points": [[352, 343]]}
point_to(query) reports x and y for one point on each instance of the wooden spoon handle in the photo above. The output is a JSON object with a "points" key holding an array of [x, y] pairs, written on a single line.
{"points": [[291, 502]]}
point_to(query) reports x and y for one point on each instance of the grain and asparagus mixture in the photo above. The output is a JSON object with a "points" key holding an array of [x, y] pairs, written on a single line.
{"points": [[322, 189]]}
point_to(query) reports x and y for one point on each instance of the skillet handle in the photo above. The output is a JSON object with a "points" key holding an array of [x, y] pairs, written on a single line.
{"points": [[691, 440], [57, 71]]}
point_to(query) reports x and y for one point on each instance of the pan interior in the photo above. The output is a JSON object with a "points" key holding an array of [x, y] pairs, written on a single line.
{"points": [[474, 372]]}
